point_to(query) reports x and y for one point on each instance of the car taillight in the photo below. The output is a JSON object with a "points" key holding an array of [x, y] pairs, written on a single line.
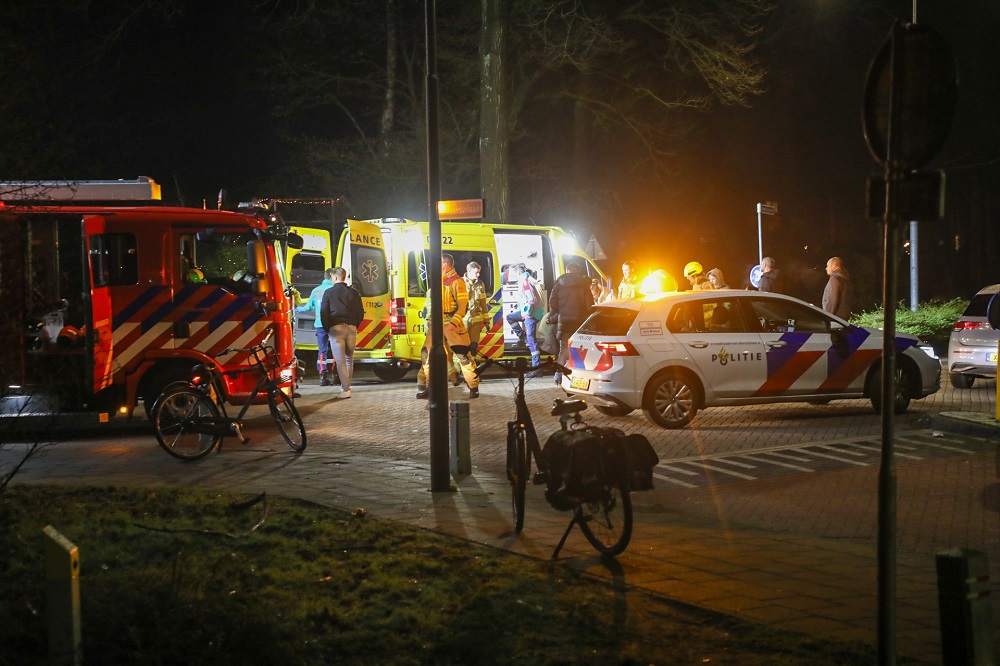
{"points": [[617, 348], [965, 325], [397, 319]]}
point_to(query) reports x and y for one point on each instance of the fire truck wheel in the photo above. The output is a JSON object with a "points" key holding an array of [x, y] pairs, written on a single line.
{"points": [[154, 384]]}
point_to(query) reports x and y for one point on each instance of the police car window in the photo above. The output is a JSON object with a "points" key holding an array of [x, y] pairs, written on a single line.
{"points": [[723, 316], [368, 273], [687, 317], [780, 316], [609, 321]]}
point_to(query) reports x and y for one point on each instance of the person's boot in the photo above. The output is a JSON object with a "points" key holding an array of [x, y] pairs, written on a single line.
{"points": [[324, 379], [536, 358], [422, 393], [473, 393]]}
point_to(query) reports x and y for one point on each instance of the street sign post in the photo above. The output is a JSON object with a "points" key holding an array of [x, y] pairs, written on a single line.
{"points": [[769, 208], [910, 98]]}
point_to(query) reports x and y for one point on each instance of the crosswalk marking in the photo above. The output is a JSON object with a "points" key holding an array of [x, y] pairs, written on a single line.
{"points": [[775, 461]]}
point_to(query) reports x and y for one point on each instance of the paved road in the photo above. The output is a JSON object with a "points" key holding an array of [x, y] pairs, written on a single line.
{"points": [[736, 524]]}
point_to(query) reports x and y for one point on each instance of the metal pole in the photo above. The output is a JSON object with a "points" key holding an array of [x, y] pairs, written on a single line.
{"points": [[887, 464], [914, 262], [760, 238], [438, 375], [914, 268]]}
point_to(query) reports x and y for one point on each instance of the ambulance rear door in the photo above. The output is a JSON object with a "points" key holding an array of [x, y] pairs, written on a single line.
{"points": [[362, 254], [305, 269], [467, 242]]}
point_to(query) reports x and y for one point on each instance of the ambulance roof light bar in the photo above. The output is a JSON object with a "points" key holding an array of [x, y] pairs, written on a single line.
{"points": [[141, 189]]}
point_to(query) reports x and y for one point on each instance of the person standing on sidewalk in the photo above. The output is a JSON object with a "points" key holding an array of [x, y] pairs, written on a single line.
{"points": [[837, 294], [341, 312], [770, 277], [569, 305], [324, 356]]}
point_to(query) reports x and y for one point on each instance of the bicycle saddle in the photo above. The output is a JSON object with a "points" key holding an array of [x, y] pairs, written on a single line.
{"points": [[561, 406]]}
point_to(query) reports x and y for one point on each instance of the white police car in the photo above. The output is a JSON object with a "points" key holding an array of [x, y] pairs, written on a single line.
{"points": [[673, 354]]}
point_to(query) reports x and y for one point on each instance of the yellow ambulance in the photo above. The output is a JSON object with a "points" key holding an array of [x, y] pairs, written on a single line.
{"points": [[385, 260]]}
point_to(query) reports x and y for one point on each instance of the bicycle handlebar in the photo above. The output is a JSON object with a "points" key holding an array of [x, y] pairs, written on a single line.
{"points": [[520, 365]]}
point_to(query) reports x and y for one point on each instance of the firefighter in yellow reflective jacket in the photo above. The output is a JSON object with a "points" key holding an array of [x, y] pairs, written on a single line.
{"points": [[454, 304]]}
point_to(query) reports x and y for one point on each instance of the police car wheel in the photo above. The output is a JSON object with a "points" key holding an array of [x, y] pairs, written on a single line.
{"points": [[904, 390], [671, 399], [614, 411]]}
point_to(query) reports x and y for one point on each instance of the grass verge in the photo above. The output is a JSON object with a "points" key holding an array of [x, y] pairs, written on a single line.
{"points": [[174, 576]]}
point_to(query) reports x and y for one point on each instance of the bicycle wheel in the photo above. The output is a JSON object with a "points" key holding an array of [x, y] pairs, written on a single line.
{"points": [[287, 418], [517, 472], [607, 523], [186, 423]]}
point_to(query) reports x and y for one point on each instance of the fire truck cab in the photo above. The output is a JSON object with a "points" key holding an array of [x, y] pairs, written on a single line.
{"points": [[109, 303]]}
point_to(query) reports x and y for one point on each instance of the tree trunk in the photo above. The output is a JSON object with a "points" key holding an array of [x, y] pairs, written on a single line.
{"points": [[494, 111], [389, 102]]}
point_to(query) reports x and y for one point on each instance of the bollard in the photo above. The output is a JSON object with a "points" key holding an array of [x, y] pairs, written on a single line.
{"points": [[461, 460], [964, 606], [62, 587]]}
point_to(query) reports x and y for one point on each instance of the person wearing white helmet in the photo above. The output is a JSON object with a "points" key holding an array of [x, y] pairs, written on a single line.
{"points": [[695, 275]]}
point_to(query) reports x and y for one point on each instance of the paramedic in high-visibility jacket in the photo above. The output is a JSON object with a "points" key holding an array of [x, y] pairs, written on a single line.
{"points": [[454, 304]]}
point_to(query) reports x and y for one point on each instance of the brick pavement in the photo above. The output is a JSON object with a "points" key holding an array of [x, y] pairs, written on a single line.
{"points": [[793, 552]]}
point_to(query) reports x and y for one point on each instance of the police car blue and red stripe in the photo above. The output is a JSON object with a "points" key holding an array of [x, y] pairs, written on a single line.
{"points": [[675, 353]]}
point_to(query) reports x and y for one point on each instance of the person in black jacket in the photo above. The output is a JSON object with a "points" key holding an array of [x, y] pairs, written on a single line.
{"points": [[341, 312], [770, 277], [569, 304]]}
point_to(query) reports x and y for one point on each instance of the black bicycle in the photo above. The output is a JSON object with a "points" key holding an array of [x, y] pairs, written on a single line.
{"points": [[604, 510], [190, 417]]}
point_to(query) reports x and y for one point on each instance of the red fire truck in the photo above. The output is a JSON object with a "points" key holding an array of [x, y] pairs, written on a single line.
{"points": [[107, 303]]}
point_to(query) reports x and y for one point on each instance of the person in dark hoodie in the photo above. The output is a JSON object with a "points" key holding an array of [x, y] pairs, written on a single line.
{"points": [[341, 311], [770, 277], [569, 304]]}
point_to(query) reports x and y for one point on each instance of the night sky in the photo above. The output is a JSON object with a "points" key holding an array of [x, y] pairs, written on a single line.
{"points": [[179, 99]]}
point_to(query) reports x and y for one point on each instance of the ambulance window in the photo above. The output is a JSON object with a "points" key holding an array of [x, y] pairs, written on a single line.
{"points": [[307, 270], [113, 260], [485, 261], [416, 276], [368, 273]]}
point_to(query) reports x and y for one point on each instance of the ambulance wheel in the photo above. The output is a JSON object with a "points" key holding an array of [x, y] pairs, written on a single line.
{"points": [[614, 411], [904, 388], [390, 373], [671, 399]]}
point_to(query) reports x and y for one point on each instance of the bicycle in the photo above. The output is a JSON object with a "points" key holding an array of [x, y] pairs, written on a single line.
{"points": [[605, 513], [190, 417]]}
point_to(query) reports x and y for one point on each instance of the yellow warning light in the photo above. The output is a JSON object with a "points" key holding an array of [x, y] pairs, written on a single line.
{"points": [[657, 282], [460, 209]]}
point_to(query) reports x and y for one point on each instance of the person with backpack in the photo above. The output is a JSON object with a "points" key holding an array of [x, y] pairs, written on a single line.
{"points": [[569, 305]]}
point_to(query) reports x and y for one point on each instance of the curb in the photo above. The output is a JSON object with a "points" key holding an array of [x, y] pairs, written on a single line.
{"points": [[976, 424]]}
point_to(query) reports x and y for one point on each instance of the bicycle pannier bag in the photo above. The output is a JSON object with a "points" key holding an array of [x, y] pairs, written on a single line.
{"points": [[574, 460], [641, 459]]}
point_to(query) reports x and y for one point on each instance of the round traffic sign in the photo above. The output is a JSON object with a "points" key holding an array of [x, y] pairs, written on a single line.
{"points": [[993, 311], [927, 93], [755, 274]]}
